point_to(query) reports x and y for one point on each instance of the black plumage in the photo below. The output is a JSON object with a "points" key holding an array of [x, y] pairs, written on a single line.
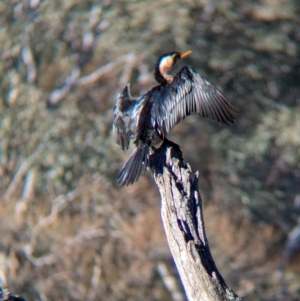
{"points": [[150, 117]]}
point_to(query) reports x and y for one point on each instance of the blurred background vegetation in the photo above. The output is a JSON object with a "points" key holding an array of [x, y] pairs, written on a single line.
{"points": [[67, 231]]}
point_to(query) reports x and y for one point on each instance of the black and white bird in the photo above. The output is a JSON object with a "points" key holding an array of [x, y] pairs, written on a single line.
{"points": [[148, 119]]}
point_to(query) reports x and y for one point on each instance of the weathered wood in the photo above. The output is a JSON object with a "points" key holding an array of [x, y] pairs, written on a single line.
{"points": [[184, 226], [6, 295]]}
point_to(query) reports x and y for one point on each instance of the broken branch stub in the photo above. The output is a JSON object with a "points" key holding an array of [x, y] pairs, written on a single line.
{"points": [[183, 221]]}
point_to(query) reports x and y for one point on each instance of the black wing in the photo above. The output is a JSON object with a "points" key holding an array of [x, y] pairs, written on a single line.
{"points": [[126, 115], [188, 93]]}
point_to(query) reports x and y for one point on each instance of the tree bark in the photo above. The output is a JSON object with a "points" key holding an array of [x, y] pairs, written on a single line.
{"points": [[183, 221]]}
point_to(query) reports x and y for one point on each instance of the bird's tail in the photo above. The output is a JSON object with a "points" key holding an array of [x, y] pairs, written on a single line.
{"points": [[136, 164]]}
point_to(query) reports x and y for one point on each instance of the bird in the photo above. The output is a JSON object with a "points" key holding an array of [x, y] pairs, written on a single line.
{"points": [[148, 119]]}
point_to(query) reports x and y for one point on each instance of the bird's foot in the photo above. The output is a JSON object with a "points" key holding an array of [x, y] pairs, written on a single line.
{"points": [[168, 142]]}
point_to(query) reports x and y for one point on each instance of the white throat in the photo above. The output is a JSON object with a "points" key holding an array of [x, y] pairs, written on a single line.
{"points": [[165, 66]]}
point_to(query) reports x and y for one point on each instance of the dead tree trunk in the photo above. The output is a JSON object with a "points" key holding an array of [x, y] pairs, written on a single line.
{"points": [[184, 226]]}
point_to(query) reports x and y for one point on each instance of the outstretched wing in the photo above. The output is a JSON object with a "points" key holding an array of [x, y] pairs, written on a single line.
{"points": [[123, 127], [189, 93], [126, 117]]}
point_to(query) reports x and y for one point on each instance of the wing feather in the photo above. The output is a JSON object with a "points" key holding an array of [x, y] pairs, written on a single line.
{"points": [[189, 93], [126, 116]]}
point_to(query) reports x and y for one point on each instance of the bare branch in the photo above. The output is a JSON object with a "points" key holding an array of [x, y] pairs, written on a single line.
{"points": [[169, 282], [97, 74], [184, 225], [24, 167], [29, 61], [75, 81]]}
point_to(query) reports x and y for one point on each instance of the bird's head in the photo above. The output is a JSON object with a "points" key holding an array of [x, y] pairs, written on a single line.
{"points": [[165, 63]]}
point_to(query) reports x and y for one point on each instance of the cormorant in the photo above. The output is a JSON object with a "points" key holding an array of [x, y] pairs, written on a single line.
{"points": [[149, 118]]}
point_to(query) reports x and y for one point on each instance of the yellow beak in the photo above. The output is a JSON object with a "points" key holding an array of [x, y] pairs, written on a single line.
{"points": [[185, 54]]}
